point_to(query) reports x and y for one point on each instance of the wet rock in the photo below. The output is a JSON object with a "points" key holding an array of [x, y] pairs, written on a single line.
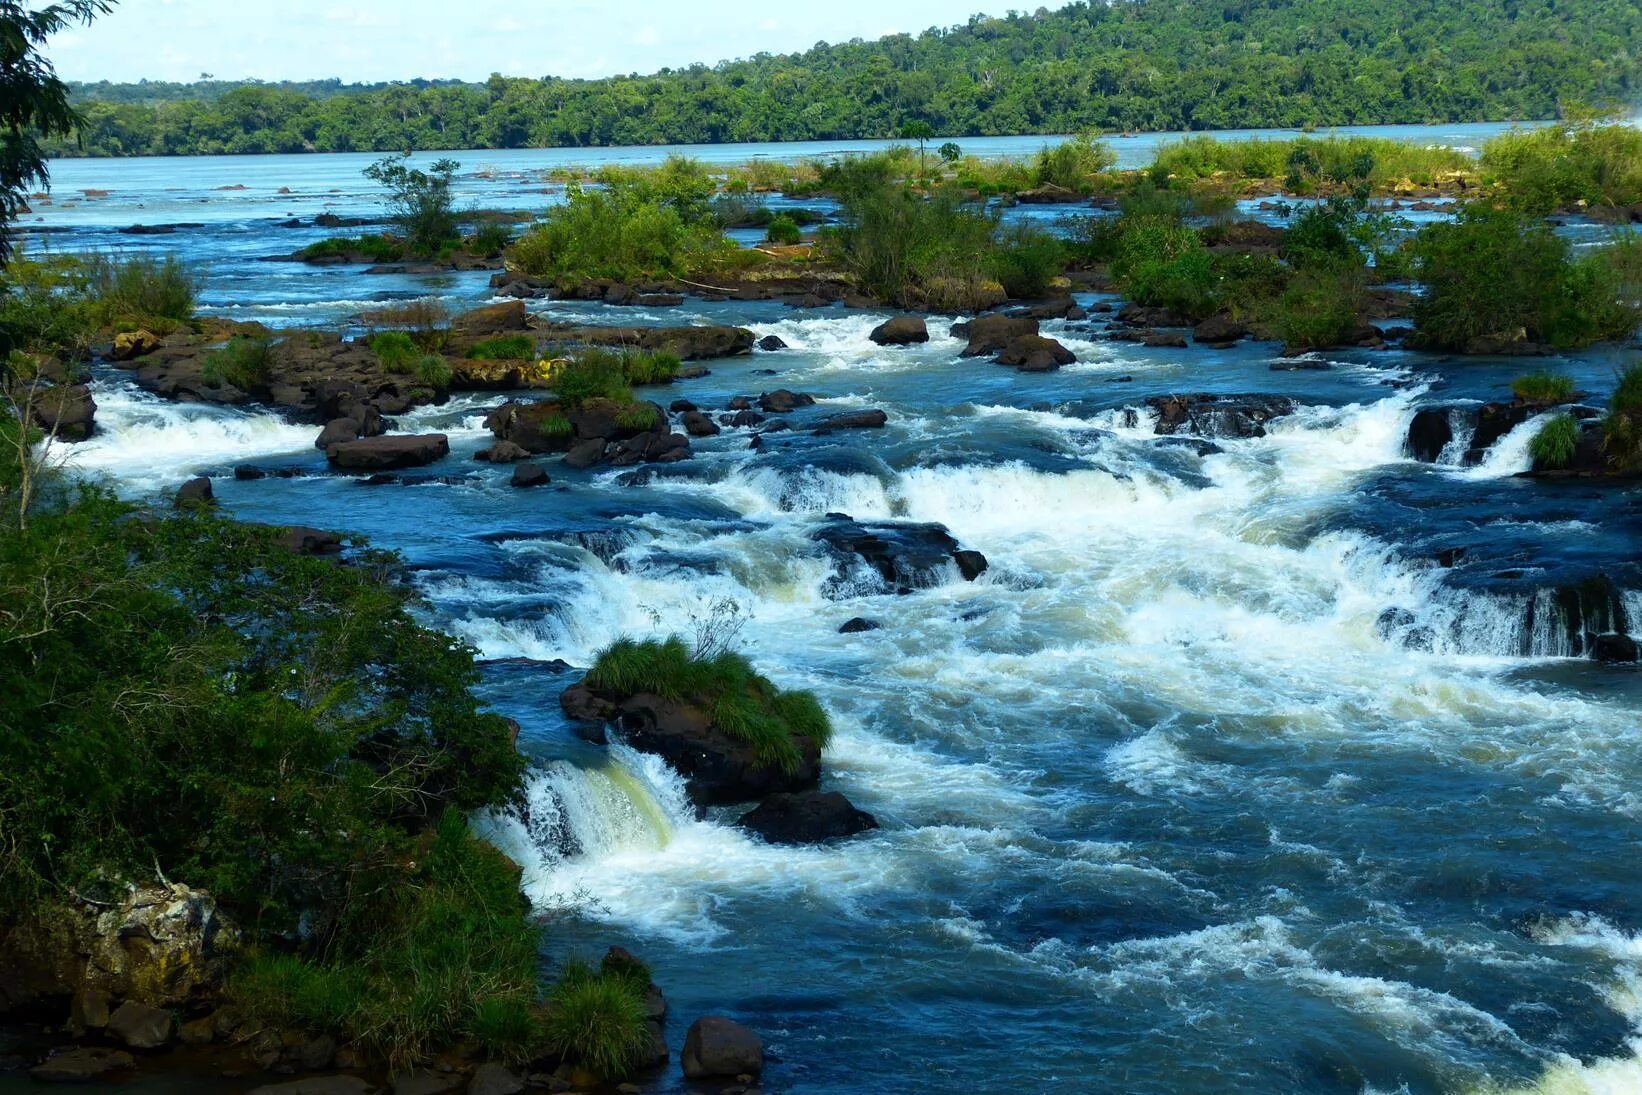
{"points": [[771, 343], [1614, 648], [88, 1010], [310, 541], [585, 454], [65, 411], [1163, 340], [1429, 434], [529, 475], [716, 1047], [900, 331], [81, 1065], [697, 424], [535, 428], [337, 431], [858, 625], [506, 317], [689, 343], [493, 1079], [971, 564], [1036, 354], [741, 419], [140, 1026], [1219, 331], [902, 556], [389, 452], [1208, 415], [1139, 315], [782, 401], [806, 817], [195, 492], [198, 1032], [681, 406], [992, 333], [503, 452], [315, 1054], [425, 1082], [853, 420], [133, 344]]}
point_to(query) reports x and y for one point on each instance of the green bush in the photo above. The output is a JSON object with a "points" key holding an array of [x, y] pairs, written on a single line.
{"points": [[783, 229], [243, 363], [396, 351], [740, 702], [504, 348], [597, 1020], [626, 232], [375, 248], [1542, 170], [1320, 306], [1074, 163], [1553, 446], [636, 416], [433, 370], [1159, 263], [1025, 260], [140, 289], [44, 308], [592, 374], [490, 238], [1543, 387], [1622, 425], [422, 202], [650, 366]]}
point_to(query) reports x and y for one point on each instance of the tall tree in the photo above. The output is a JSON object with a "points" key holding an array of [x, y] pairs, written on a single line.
{"points": [[33, 101]]}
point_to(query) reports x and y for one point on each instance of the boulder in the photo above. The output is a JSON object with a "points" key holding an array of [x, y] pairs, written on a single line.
{"points": [[195, 492], [388, 452], [897, 556], [318, 1085], [528, 474], [993, 333], [426, 1082], [585, 454], [337, 431], [771, 343], [493, 1079], [900, 331], [1036, 354], [858, 625], [1208, 415], [133, 344], [782, 401], [806, 817], [501, 318], [535, 428], [81, 1065], [140, 1026], [689, 343], [66, 411], [1219, 331], [721, 1048], [303, 540], [503, 452], [1614, 648], [164, 946], [741, 419], [971, 564], [697, 424], [853, 420], [1429, 434], [1048, 194]]}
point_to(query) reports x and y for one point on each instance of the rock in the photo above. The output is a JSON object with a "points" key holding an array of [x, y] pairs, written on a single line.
{"points": [[140, 1026], [716, 1047], [389, 452], [858, 625], [315, 1054], [1167, 340], [66, 411], [903, 556], [535, 428], [1036, 354], [164, 946], [741, 419], [88, 1010], [971, 564], [656, 1055], [771, 343], [1614, 648], [697, 424], [900, 331], [492, 1079], [689, 343], [318, 1085], [310, 541], [1219, 331], [1208, 415], [1429, 434], [782, 401], [529, 475], [195, 492], [1048, 194], [503, 452], [992, 333], [585, 454], [492, 319], [681, 406], [424, 1082], [853, 420], [806, 817], [337, 431], [81, 1065], [133, 344], [198, 1032]]}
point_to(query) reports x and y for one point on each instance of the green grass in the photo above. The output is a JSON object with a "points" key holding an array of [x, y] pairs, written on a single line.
{"points": [[376, 248], [554, 425], [637, 416], [1543, 387], [1622, 426], [1306, 164], [783, 229], [650, 366], [592, 374], [742, 703], [243, 363], [1554, 445], [1542, 170], [140, 289], [504, 348], [396, 351], [432, 370], [597, 1019]]}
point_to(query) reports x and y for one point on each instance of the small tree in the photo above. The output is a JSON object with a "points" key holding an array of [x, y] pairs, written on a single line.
{"points": [[421, 201], [950, 152], [920, 131]]}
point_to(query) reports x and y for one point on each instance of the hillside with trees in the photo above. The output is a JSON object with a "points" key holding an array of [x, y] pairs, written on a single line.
{"points": [[1119, 66]]}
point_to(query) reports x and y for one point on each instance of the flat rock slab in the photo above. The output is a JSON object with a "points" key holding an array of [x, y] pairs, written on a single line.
{"points": [[388, 452]]}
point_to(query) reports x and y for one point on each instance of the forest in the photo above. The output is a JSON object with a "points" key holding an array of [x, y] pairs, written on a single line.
{"points": [[1134, 65]]}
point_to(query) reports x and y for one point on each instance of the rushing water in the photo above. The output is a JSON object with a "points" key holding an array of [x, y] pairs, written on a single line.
{"points": [[1167, 806]]}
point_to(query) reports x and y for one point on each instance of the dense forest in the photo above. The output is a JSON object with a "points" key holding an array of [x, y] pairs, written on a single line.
{"points": [[1118, 65]]}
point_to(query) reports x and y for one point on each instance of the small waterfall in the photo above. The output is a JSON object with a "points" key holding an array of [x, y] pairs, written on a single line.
{"points": [[1462, 424], [1551, 622]]}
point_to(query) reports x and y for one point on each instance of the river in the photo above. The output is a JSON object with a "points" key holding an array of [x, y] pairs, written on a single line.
{"points": [[1218, 780]]}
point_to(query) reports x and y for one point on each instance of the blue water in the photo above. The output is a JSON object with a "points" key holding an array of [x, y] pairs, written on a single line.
{"points": [[1164, 809]]}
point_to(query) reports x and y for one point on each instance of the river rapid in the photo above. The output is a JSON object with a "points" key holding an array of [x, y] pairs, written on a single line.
{"points": [[1218, 779]]}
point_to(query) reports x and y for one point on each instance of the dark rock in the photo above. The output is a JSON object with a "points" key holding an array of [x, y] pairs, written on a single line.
{"points": [[503, 452], [806, 817], [585, 454], [1036, 354], [195, 492], [1614, 648], [782, 401], [1140, 315], [318, 1085], [853, 420], [697, 424], [505, 317], [681, 406], [529, 475], [1164, 340], [66, 411], [336, 431], [140, 1026], [1219, 331], [858, 625], [315, 1054], [721, 1048], [971, 564], [900, 331], [741, 419], [81, 1065], [493, 1079], [389, 452], [905, 556], [771, 343], [426, 1082], [534, 427], [1429, 434], [1207, 415], [1048, 194], [310, 541], [993, 333]]}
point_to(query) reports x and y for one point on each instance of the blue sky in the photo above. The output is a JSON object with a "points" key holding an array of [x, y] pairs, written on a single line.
{"points": [[469, 39]]}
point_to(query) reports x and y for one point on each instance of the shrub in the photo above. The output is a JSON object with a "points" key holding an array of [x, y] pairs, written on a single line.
{"points": [[592, 374], [636, 416], [433, 370], [783, 229], [503, 348], [243, 363], [421, 201], [1622, 425], [44, 308], [490, 238], [1320, 306], [907, 249], [376, 248], [1543, 387], [1545, 169], [1159, 263], [1026, 260], [395, 351], [597, 1020], [1074, 163], [624, 232], [740, 702], [1554, 445], [140, 289], [650, 366]]}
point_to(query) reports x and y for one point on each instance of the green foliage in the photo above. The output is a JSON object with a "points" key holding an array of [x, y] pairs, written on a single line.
{"points": [[1319, 307], [1554, 445], [1026, 259], [597, 1020], [636, 416], [632, 229], [375, 248], [139, 289], [1309, 164], [243, 363], [1622, 425], [421, 201], [650, 366], [1074, 163], [1543, 387], [741, 703], [592, 374], [783, 229], [1543, 170], [1161, 263], [44, 307], [490, 238], [433, 370], [503, 348], [950, 153], [396, 351]]}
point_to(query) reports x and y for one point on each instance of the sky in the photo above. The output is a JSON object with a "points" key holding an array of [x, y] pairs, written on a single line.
{"points": [[375, 40]]}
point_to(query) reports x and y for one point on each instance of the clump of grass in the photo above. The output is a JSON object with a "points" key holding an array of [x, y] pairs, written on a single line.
{"points": [[1543, 387], [1554, 445], [396, 351], [597, 1020], [592, 374], [376, 248], [243, 363], [140, 289], [636, 416], [432, 370], [490, 238], [554, 425], [504, 348], [742, 703], [783, 229], [650, 366], [1622, 426]]}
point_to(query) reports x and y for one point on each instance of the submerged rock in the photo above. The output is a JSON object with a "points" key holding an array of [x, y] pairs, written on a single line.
{"points": [[1036, 354], [389, 452], [1208, 415], [716, 1047], [806, 817], [900, 556], [859, 625], [527, 474], [853, 420]]}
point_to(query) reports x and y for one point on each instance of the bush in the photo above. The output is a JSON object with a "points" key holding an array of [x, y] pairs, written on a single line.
{"points": [[243, 363], [1543, 387], [624, 232], [1554, 167], [740, 702], [43, 308], [1622, 425], [1074, 163], [783, 229], [376, 248], [140, 289], [592, 374], [503, 348], [433, 370], [1553, 446], [421, 201], [490, 238], [597, 1020], [396, 351], [650, 366], [1026, 260], [1159, 263], [1320, 306]]}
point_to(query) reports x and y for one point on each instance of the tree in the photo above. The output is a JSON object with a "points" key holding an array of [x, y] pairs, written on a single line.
{"points": [[920, 131], [950, 152], [421, 200], [33, 101]]}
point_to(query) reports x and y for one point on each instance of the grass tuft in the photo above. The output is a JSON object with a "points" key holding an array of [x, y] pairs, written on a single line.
{"points": [[1554, 445], [504, 348], [597, 1020], [243, 363], [1543, 387]]}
